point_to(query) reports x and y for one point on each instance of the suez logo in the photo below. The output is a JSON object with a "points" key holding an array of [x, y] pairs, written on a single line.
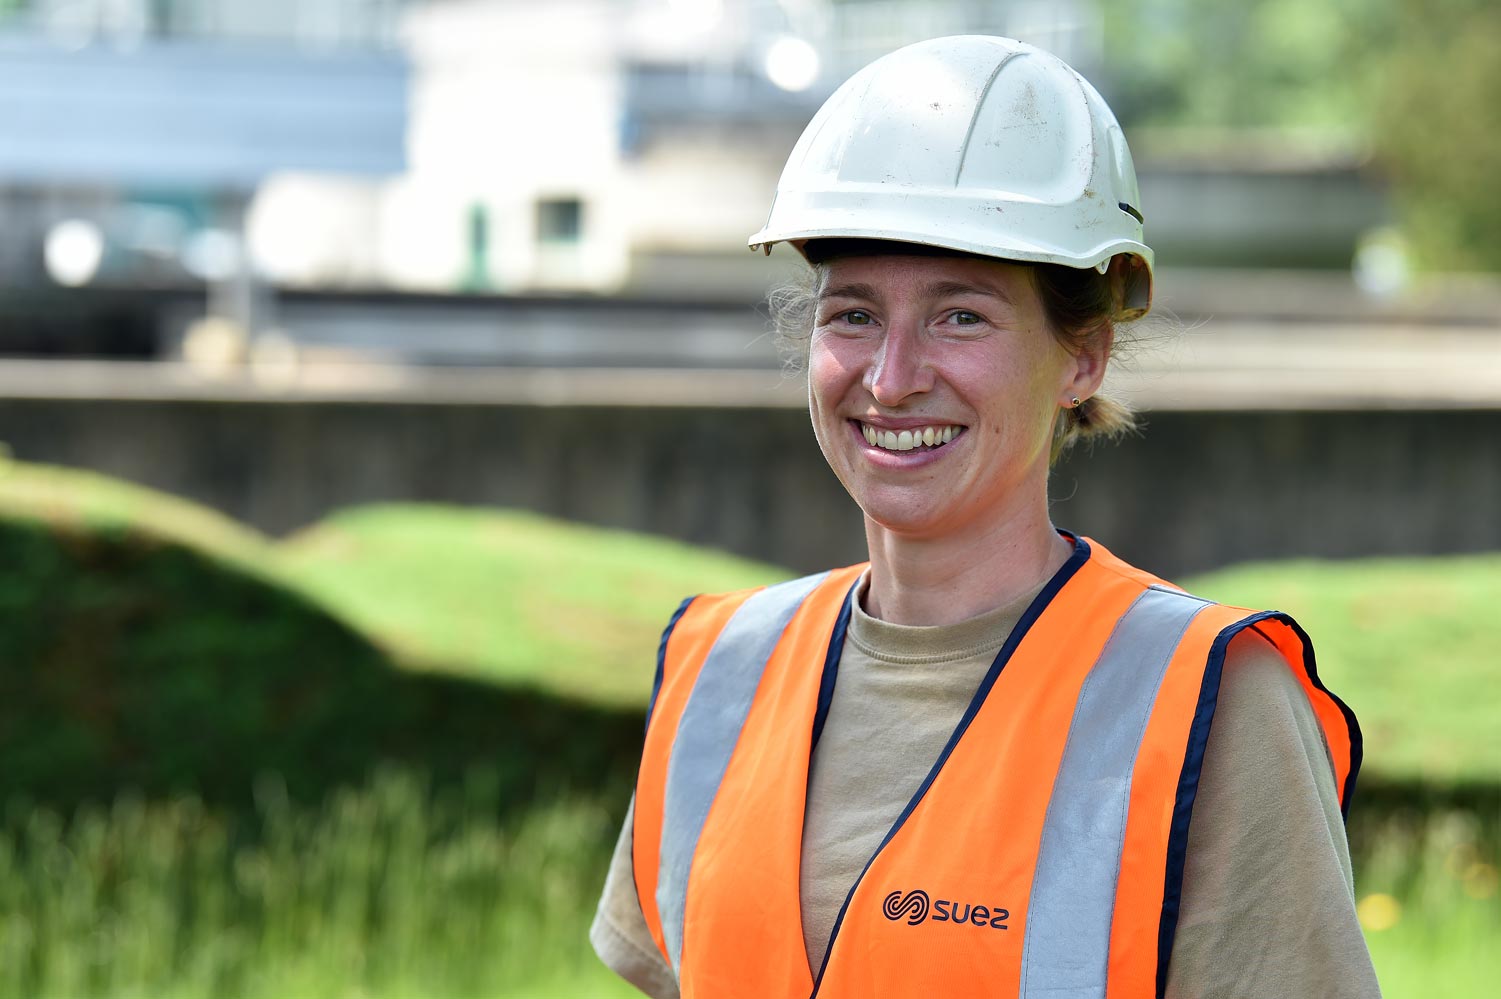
{"points": [[914, 907]]}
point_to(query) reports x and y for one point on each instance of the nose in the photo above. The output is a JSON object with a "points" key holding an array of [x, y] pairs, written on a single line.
{"points": [[899, 368]]}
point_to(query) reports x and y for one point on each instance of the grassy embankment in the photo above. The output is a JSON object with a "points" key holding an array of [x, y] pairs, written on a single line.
{"points": [[444, 871]]}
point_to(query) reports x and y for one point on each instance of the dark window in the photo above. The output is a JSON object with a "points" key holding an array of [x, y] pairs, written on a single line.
{"points": [[560, 220]]}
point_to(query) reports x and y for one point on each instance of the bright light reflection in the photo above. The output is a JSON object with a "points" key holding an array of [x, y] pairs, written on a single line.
{"points": [[792, 64], [73, 252]]}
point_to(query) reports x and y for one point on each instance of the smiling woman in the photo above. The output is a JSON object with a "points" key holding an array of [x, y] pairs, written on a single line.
{"points": [[1082, 308], [995, 759]]}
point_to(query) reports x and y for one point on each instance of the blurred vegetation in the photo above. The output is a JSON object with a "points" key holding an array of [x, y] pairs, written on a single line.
{"points": [[1229, 64], [384, 889], [1414, 82], [508, 596], [388, 889], [1438, 130], [150, 644], [1409, 642], [250, 768]]}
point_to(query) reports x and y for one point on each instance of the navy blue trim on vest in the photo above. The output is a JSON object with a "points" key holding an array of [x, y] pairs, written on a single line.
{"points": [[1188, 790], [656, 684], [1193, 762], [1023, 625], [1357, 748], [1357, 744], [831, 668]]}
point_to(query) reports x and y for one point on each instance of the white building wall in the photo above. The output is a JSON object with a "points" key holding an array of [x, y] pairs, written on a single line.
{"points": [[512, 102]]}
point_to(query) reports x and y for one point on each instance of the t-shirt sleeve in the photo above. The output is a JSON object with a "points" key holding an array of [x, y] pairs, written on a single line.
{"points": [[1268, 902], [619, 935]]}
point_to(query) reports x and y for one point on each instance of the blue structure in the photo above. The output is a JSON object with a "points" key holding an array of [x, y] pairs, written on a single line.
{"points": [[196, 113]]}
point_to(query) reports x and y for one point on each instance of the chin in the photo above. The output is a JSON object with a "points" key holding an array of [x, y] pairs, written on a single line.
{"points": [[909, 519]]}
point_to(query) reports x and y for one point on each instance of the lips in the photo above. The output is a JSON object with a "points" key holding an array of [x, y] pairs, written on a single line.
{"points": [[927, 437]]}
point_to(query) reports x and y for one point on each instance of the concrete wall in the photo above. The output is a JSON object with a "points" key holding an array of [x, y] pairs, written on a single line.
{"points": [[1197, 491]]}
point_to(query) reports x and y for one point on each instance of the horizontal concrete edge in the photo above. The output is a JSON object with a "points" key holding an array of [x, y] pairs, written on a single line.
{"points": [[1198, 389]]}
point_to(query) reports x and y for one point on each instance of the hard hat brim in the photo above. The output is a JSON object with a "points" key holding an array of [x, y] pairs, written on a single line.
{"points": [[1139, 291]]}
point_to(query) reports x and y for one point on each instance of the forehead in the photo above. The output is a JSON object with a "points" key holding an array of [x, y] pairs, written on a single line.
{"points": [[902, 274]]}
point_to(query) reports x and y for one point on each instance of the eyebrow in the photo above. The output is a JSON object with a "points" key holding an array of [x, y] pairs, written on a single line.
{"points": [[943, 289], [857, 290], [940, 289]]}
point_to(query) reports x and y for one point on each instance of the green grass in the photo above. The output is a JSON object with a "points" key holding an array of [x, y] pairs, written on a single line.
{"points": [[1410, 644], [402, 887], [385, 890], [84, 501], [504, 595], [392, 890], [517, 598], [1431, 908], [508, 596]]}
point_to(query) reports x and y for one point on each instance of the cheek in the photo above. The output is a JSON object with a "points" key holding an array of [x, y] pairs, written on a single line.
{"points": [[831, 373], [1015, 387]]}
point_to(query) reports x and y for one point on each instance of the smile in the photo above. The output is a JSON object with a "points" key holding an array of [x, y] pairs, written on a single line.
{"points": [[908, 440]]}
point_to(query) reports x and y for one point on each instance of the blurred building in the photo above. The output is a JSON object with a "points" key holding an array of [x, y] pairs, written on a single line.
{"points": [[620, 145], [135, 131], [442, 146]]}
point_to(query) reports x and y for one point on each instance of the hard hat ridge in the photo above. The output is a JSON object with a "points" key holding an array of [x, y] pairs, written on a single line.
{"points": [[975, 143]]}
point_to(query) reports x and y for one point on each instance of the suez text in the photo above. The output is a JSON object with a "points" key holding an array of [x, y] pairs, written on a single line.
{"points": [[979, 915]]}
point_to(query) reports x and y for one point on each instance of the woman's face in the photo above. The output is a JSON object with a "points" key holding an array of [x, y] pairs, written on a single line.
{"points": [[933, 386]]}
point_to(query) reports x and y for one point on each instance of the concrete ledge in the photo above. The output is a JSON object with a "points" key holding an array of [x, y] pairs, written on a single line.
{"points": [[1194, 490], [1215, 365]]}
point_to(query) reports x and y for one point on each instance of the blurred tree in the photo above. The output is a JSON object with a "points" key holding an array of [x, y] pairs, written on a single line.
{"points": [[1417, 82], [1230, 64], [1438, 131]]}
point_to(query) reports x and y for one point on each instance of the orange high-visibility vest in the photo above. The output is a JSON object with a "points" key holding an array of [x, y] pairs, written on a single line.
{"points": [[1041, 856]]}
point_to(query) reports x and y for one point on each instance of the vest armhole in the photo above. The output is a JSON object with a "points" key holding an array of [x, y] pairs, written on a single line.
{"points": [[1341, 728], [656, 683], [1336, 720]]}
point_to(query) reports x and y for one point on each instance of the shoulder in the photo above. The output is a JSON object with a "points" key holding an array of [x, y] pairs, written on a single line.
{"points": [[1266, 733], [1267, 903], [1257, 670]]}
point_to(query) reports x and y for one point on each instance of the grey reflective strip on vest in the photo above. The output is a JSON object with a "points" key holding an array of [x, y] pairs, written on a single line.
{"points": [[1067, 946], [706, 736]]}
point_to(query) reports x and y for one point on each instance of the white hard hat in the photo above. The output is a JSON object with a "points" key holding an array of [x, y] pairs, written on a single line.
{"points": [[973, 143]]}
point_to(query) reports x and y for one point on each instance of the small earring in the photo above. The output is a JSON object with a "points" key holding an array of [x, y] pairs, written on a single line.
{"points": [[1076, 402]]}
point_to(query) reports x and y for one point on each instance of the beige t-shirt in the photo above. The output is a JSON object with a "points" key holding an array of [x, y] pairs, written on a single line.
{"points": [[1267, 905]]}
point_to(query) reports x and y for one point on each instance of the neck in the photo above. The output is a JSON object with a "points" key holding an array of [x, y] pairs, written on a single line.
{"points": [[936, 581]]}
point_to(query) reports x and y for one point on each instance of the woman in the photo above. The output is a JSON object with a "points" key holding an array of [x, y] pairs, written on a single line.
{"points": [[969, 768]]}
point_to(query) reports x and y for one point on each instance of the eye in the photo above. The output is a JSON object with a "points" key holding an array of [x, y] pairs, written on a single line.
{"points": [[964, 317], [856, 317]]}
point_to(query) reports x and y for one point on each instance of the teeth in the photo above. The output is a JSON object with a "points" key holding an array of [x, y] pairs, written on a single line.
{"points": [[907, 440]]}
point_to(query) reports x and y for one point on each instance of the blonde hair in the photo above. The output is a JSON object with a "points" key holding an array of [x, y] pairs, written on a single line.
{"points": [[1080, 305]]}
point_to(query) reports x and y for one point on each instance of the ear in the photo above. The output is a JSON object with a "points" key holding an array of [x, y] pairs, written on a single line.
{"points": [[1087, 371]]}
